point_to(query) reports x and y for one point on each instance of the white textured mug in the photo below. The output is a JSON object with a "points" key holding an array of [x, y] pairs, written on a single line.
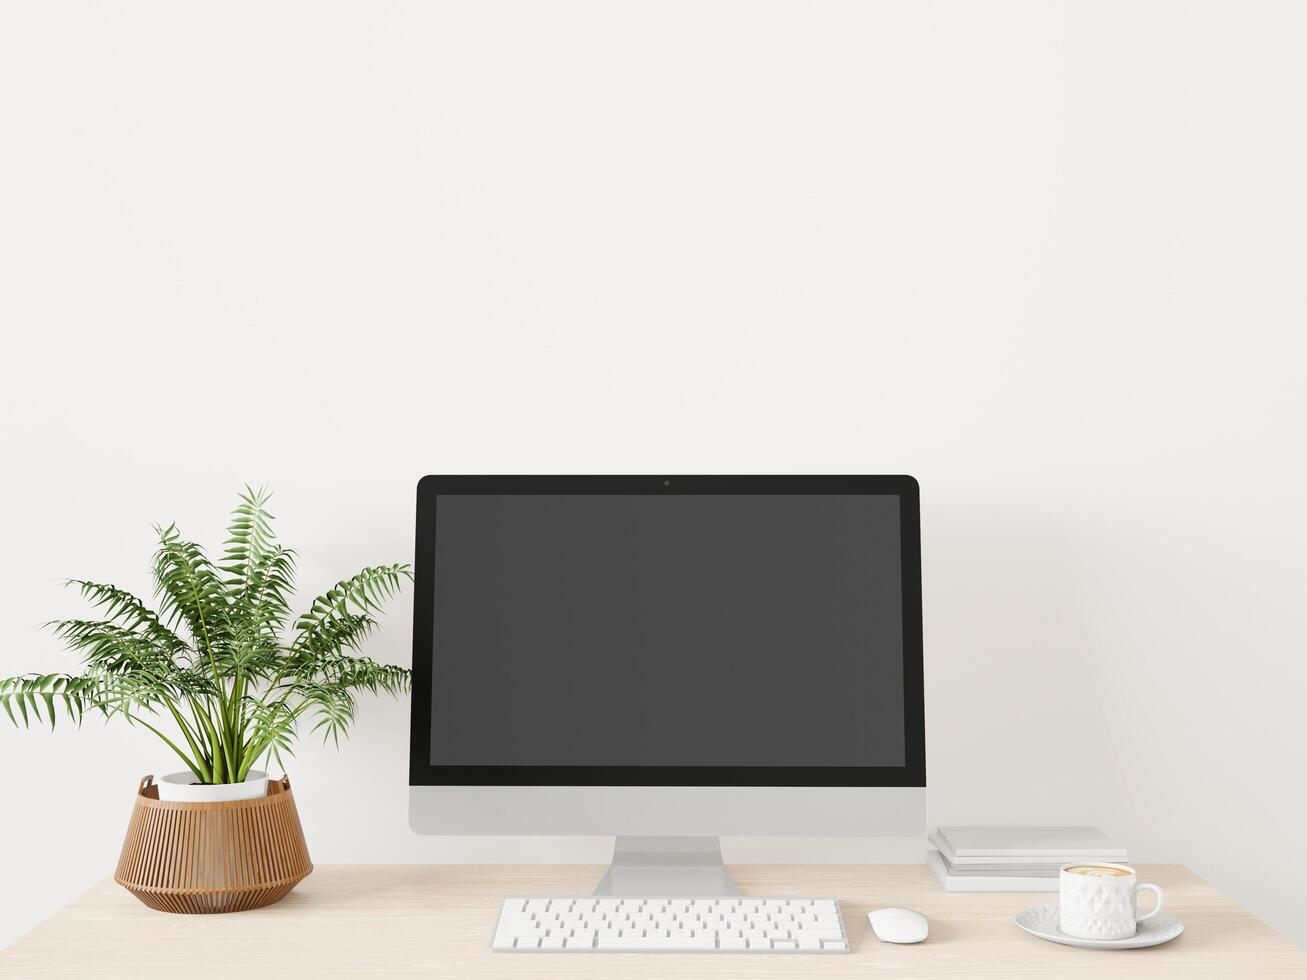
{"points": [[1100, 901]]}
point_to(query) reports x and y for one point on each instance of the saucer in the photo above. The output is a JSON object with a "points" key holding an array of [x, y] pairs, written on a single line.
{"points": [[1042, 921]]}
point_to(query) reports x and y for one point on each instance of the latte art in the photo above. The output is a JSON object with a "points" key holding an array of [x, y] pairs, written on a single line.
{"points": [[1098, 871]]}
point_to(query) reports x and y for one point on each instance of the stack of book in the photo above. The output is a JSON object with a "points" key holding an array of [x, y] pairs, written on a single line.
{"points": [[1015, 859]]}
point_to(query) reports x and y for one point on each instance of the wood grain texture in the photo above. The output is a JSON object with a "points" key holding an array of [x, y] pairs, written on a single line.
{"points": [[436, 921], [198, 858]]}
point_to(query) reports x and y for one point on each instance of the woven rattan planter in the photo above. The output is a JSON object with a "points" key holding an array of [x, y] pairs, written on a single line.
{"points": [[213, 857]]}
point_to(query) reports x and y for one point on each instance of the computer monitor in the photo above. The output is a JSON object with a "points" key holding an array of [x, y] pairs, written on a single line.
{"points": [[667, 659]]}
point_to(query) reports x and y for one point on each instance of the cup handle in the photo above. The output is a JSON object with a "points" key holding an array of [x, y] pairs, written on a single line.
{"points": [[1156, 908]]}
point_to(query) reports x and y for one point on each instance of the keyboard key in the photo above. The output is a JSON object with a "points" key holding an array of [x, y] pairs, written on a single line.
{"points": [[625, 943], [690, 944]]}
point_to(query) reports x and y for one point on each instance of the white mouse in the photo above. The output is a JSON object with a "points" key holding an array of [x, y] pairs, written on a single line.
{"points": [[899, 925]]}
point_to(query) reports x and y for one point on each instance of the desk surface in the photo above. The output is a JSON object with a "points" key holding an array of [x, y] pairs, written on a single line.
{"points": [[435, 921]]}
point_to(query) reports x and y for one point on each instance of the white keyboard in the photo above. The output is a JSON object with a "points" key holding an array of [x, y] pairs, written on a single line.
{"points": [[670, 925]]}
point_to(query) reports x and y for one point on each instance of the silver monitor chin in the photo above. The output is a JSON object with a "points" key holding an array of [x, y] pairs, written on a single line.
{"points": [[667, 836]]}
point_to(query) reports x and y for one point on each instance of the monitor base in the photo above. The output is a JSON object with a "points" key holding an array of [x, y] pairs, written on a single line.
{"points": [[667, 867]]}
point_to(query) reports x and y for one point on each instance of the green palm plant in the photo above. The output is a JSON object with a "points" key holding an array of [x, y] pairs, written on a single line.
{"points": [[215, 660]]}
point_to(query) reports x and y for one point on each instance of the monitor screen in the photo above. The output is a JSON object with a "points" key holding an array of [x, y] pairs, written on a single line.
{"points": [[635, 629]]}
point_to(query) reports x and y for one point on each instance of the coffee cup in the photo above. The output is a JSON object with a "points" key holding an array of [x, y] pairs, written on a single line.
{"points": [[1100, 901]]}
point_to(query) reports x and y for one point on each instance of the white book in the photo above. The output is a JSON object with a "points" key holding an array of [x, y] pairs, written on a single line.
{"points": [[1026, 845], [1003, 870], [986, 883], [1016, 863]]}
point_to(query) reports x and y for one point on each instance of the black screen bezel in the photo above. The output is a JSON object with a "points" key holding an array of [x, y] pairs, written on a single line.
{"points": [[912, 773]]}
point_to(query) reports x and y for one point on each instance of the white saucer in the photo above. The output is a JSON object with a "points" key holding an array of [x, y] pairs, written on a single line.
{"points": [[1042, 921]]}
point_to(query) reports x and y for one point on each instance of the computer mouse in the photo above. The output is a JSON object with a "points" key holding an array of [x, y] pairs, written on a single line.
{"points": [[899, 925]]}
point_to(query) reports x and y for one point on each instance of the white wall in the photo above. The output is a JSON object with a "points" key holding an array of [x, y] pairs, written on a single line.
{"points": [[1048, 257]]}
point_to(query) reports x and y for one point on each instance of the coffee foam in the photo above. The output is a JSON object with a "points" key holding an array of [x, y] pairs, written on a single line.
{"points": [[1098, 871]]}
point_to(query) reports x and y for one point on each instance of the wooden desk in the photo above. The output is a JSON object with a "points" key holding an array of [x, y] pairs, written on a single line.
{"points": [[436, 920]]}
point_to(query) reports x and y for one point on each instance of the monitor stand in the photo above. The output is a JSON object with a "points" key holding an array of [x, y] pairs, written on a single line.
{"points": [[667, 867]]}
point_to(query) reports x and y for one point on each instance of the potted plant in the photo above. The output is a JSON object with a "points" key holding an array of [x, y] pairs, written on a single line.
{"points": [[220, 672]]}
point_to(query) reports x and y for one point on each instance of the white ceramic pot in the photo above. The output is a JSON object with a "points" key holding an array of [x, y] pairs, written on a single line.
{"points": [[181, 787]]}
